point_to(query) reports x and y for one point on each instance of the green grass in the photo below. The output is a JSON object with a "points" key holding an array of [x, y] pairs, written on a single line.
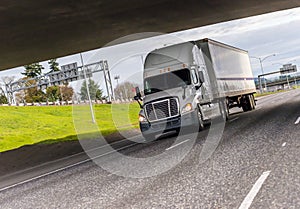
{"points": [[268, 93], [21, 126]]}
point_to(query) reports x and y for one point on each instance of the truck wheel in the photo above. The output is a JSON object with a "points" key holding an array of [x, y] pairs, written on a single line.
{"points": [[247, 103], [252, 101], [200, 119]]}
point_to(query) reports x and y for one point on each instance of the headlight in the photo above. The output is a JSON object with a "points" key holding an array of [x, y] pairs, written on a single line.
{"points": [[142, 118], [187, 108]]}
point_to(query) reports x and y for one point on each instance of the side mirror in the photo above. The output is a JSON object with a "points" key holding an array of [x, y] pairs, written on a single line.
{"points": [[138, 93], [201, 77], [138, 96]]}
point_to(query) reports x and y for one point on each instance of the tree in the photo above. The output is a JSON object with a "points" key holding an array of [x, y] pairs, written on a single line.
{"points": [[20, 97], [3, 98], [61, 93], [34, 94], [95, 92], [8, 79], [66, 93], [53, 93], [125, 90], [33, 70], [99, 94], [53, 65]]}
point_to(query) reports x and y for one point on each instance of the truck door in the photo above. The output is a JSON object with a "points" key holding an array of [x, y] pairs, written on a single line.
{"points": [[205, 92]]}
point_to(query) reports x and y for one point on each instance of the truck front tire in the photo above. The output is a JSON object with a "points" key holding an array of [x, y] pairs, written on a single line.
{"points": [[200, 119]]}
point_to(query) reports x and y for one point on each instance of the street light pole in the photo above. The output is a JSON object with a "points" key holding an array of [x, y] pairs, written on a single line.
{"points": [[262, 70], [117, 77]]}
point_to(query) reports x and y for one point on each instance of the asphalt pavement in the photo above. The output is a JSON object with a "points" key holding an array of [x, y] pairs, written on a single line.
{"points": [[256, 164]]}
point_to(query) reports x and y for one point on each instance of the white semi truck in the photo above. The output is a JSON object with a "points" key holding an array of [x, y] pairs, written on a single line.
{"points": [[189, 84]]}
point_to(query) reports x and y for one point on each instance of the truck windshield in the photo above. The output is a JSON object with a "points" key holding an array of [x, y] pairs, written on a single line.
{"points": [[167, 81]]}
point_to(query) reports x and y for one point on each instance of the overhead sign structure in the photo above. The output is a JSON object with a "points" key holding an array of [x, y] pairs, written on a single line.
{"points": [[288, 68]]}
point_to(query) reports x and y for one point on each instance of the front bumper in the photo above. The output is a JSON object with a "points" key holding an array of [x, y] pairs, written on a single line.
{"points": [[159, 127]]}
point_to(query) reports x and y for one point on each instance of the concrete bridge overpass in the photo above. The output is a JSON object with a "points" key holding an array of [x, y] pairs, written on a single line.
{"points": [[283, 82], [280, 82], [36, 30]]}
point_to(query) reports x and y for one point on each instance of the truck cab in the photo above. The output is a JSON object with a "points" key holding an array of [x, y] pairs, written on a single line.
{"points": [[173, 85]]}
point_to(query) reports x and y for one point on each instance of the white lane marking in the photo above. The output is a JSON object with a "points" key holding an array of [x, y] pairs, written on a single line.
{"points": [[233, 119], [297, 121], [257, 108], [255, 189], [284, 144], [64, 168], [177, 144]]}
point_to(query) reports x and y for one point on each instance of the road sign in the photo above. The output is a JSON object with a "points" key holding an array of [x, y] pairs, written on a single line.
{"points": [[68, 73], [288, 68]]}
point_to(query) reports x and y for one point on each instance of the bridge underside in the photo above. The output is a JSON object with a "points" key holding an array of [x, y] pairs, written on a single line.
{"points": [[39, 30]]}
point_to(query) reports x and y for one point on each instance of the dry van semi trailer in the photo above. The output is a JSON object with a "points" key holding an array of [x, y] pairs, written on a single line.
{"points": [[188, 84]]}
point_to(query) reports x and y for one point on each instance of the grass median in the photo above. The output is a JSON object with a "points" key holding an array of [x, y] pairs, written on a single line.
{"points": [[21, 126]]}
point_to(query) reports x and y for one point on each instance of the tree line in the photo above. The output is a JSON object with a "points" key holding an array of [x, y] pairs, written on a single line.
{"points": [[59, 93]]}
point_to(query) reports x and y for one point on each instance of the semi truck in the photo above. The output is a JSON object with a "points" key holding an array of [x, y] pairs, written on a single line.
{"points": [[191, 83]]}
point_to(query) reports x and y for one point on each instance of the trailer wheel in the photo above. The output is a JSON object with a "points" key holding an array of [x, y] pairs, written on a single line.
{"points": [[200, 119], [247, 103], [252, 101]]}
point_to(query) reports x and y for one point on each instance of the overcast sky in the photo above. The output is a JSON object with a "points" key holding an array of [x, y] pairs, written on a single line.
{"points": [[261, 36]]}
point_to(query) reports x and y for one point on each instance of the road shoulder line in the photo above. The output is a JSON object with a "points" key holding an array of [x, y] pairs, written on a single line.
{"points": [[255, 189]]}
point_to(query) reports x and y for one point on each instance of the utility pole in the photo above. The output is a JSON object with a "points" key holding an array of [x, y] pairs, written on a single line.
{"points": [[117, 77]]}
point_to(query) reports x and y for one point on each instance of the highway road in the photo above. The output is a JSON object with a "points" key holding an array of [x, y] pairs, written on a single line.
{"points": [[256, 165]]}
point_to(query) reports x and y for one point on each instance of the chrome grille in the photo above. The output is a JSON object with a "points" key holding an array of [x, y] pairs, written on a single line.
{"points": [[162, 109]]}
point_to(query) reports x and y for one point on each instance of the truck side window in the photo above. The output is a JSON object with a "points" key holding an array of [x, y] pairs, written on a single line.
{"points": [[194, 76]]}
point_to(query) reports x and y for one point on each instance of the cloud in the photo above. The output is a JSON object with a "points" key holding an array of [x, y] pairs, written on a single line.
{"points": [[260, 35], [245, 24]]}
